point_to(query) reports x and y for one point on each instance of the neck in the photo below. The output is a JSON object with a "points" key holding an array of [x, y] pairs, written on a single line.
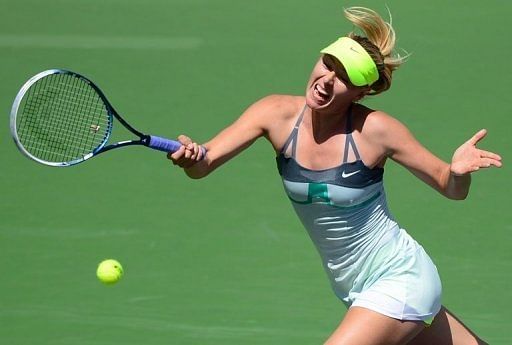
{"points": [[325, 124]]}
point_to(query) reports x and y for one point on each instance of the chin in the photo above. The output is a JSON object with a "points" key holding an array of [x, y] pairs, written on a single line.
{"points": [[310, 103], [314, 105]]}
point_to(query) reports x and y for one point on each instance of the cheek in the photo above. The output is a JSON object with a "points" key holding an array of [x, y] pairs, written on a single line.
{"points": [[311, 79], [315, 75], [340, 87], [341, 90]]}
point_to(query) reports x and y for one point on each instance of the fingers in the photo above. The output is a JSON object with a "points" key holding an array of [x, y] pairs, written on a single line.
{"points": [[461, 170], [486, 158], [176, 156], [478, 136], [182, 157], [188, 154], [184, 140], [490, 155], [490, 160], [487, 162], [468, 158], [193, 151]]}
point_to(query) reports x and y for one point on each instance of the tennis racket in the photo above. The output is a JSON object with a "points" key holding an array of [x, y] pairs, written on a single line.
{"points": [[60, 118]]}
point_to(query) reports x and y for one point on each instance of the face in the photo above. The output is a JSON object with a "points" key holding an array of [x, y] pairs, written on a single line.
{"points": [[329, 85]]}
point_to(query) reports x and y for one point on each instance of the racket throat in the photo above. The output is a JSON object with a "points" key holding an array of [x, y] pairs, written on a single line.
{"points": [[145, 140]]}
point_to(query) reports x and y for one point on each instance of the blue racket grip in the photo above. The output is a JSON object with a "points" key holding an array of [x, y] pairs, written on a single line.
{"points": [[167, 145]]}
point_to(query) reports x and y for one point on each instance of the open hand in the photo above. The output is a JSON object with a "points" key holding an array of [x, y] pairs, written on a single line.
{"points": [[468, 158]]}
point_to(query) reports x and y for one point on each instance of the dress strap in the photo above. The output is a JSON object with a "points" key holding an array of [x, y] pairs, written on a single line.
{"points": [[293, 135], [349, 141]]}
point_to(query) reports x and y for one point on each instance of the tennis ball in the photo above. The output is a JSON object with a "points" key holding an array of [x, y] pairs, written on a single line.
{"points": [[109, 271]]}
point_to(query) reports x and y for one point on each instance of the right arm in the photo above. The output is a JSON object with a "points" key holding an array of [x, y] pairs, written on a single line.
{"points": [[258, 120]]}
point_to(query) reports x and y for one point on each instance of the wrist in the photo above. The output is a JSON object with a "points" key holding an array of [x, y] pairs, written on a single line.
{"points": [[457, 172]]}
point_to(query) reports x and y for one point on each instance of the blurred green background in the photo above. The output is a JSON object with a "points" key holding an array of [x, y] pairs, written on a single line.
{"points": [[224, 260]]}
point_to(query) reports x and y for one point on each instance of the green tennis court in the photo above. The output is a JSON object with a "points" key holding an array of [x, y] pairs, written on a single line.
{"points": [[224, 260]]}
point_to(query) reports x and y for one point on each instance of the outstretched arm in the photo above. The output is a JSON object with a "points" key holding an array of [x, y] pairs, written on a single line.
{"points": [[260, 119], [452, 180]]}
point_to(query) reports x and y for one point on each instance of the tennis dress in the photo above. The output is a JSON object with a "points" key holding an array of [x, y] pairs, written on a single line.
{"points": [[371, 262]]}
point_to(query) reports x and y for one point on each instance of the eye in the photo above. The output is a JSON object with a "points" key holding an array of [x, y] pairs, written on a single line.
{"points": [[342, 76], [330, 65], [327, 65]]}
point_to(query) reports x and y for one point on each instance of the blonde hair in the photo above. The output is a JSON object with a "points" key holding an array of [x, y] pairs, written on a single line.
{"points": [[379, 41]]}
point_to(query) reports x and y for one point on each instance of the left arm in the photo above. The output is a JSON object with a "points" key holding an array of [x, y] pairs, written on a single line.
{"points": [[452, 180]]}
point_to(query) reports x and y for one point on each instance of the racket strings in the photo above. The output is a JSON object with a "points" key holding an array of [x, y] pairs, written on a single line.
{"points": [[70, 105], [62, 118], [76, 108]]}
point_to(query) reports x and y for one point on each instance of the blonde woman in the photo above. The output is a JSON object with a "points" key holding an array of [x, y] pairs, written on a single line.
{"points": [[331, 153]]}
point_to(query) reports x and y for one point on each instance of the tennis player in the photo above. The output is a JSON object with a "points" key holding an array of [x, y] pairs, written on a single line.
{"points": [[331, 151]]}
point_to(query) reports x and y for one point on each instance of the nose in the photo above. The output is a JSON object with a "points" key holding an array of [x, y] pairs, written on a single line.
{"points": [[329, 78]]}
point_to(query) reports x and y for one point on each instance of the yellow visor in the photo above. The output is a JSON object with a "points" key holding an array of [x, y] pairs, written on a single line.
{"points": [[360, 67]]}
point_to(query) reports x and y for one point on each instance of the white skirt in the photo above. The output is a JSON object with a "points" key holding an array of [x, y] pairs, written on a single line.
{"points": [[401, 282]]}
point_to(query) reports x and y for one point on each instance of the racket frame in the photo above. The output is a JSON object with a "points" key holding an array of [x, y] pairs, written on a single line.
{"points": [[102, 147]]}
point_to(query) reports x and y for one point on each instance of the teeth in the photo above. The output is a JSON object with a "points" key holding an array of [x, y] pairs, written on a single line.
{"points": [[321, 91]]}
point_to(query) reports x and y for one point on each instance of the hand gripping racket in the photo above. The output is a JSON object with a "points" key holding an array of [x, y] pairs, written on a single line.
{"points": [[61, 118]]}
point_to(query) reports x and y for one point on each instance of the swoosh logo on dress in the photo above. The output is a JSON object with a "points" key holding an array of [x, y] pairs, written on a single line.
{"points": [[345, 175]]}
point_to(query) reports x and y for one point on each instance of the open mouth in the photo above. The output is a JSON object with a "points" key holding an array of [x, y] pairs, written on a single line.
{"points": [[321, 94]]}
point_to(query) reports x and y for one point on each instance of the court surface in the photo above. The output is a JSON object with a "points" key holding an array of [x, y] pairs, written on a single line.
{"points": [[224, 260]]}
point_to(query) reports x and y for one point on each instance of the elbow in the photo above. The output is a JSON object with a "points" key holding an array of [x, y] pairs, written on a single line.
{"points": [[195, 176], [458, 196]]}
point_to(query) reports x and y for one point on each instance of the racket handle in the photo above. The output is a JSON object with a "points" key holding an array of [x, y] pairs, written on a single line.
{"points": [[167, 145], [163, 144]]}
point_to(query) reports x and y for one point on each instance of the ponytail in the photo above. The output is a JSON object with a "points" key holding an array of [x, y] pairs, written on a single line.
{"points": [[379, 41]]}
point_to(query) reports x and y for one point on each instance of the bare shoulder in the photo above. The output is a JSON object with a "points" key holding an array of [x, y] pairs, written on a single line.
{"points": [[381, 129], [272, 113], [275, 116], [277, 106], [374, 122], [377, 123]]}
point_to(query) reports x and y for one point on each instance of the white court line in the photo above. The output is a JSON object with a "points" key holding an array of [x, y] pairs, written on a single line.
{"points": [[99, 42]]}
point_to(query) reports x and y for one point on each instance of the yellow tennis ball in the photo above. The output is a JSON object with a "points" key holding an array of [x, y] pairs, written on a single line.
{"points": [[109, 271]]}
